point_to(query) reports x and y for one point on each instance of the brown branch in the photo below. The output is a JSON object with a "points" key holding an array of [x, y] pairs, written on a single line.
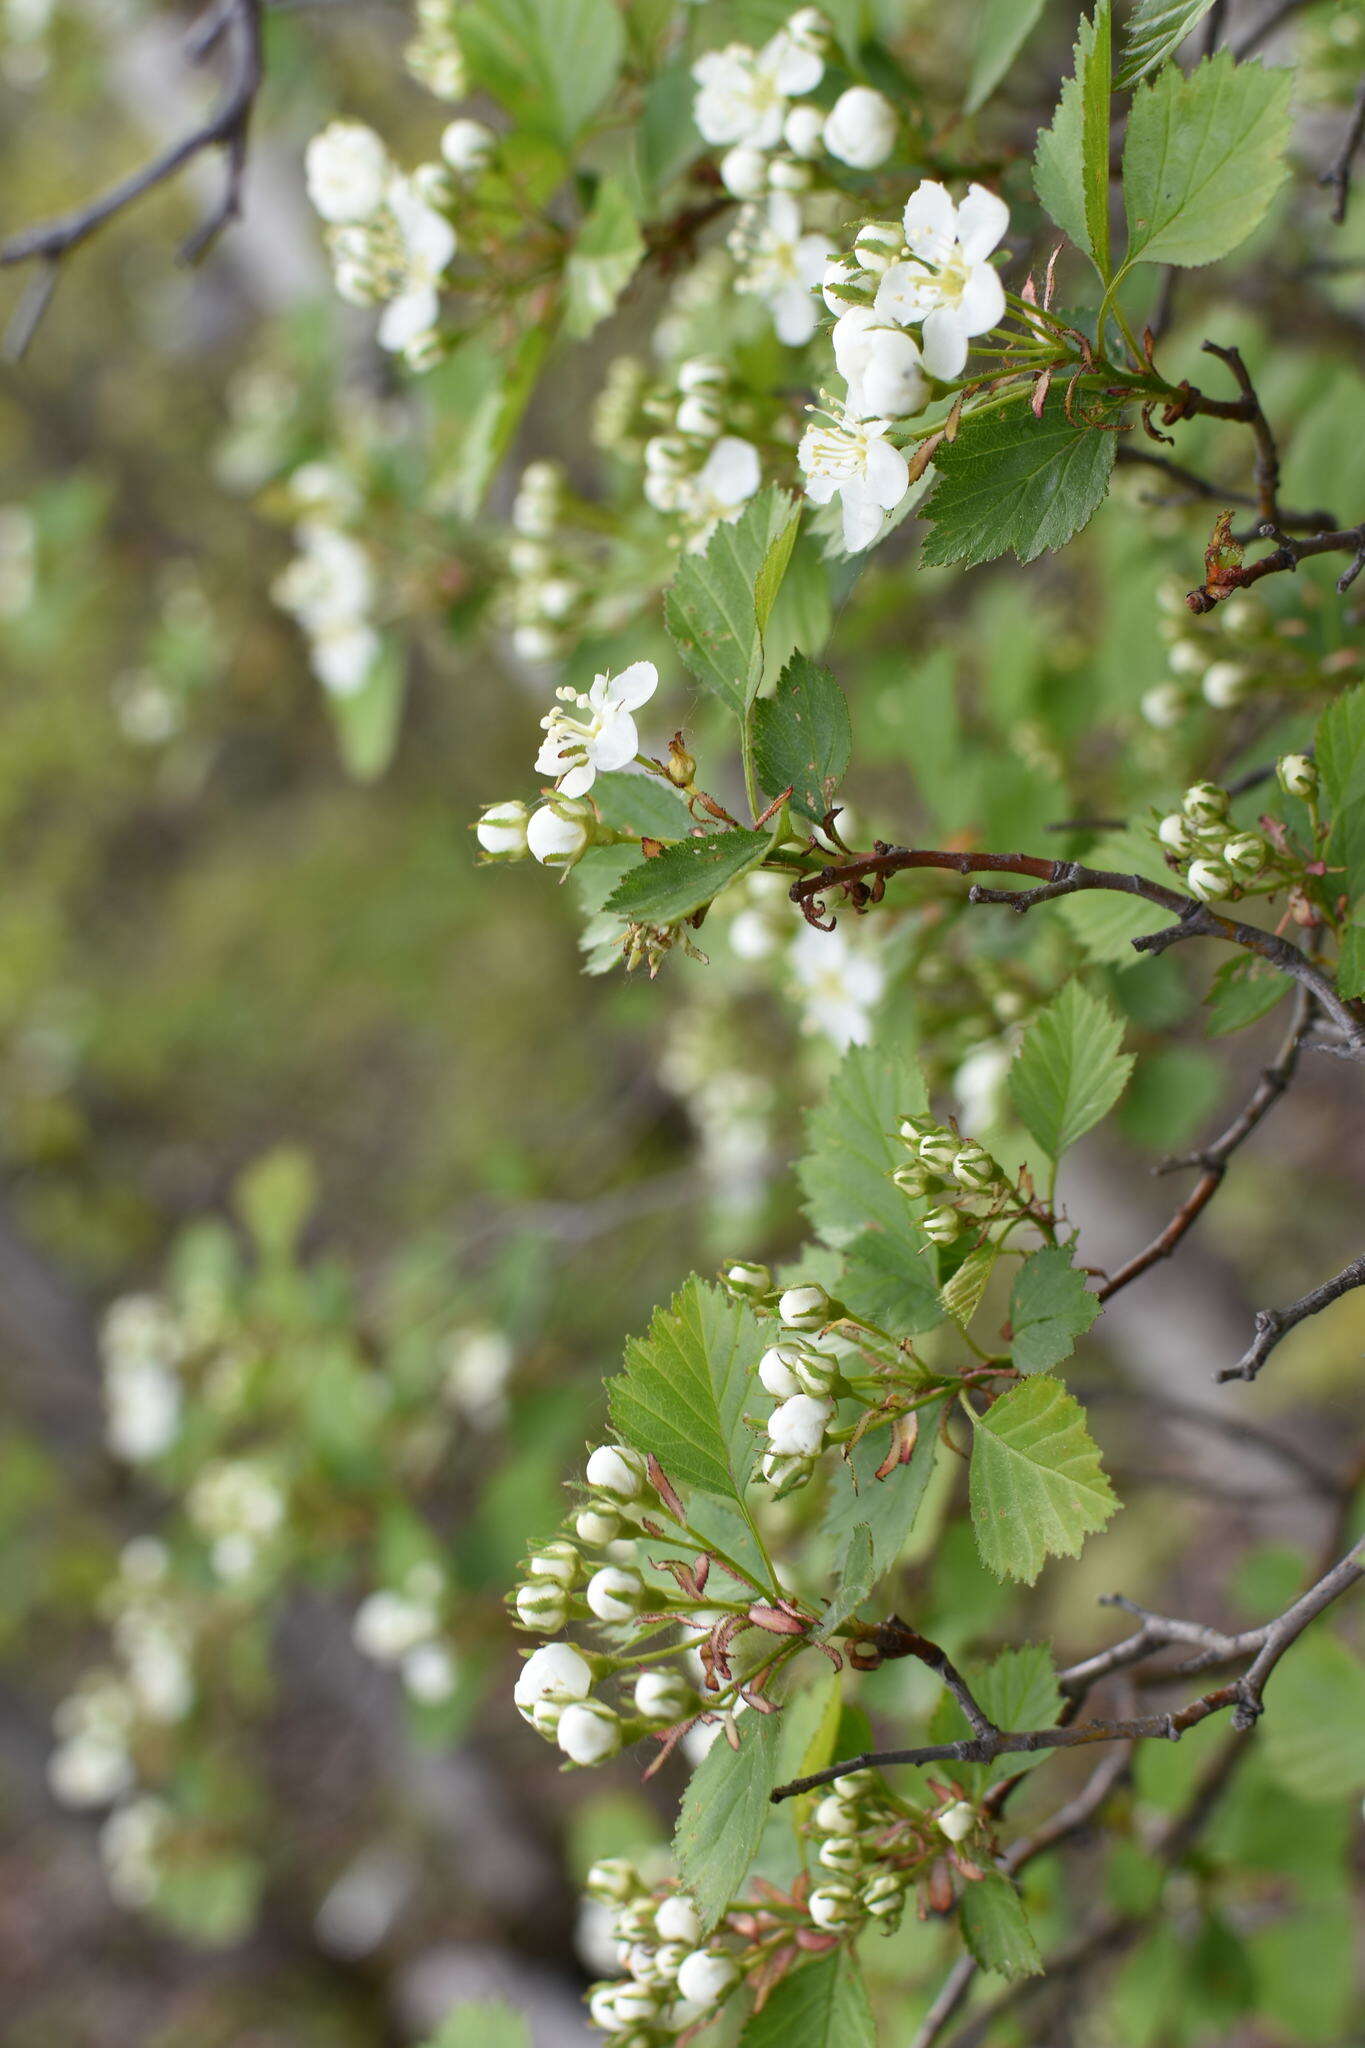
{"points": [[225, 127], [1218, 494], [1272, 1324], [1346, 540], [1337, 176], [1267, 470]]}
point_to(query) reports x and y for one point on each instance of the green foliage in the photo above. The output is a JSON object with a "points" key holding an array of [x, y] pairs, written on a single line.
{"points": [[1241, 992], [1314, 1725], [1013, 484], [724, 1812], [1071, 166], [368, 721], [996, 1930], [1351, 968], [711, 607], [883, 1510], [1341, 765], [1017, 1689], [603, 259], [802, 737], [822, 2004], [1002, 29], [684, 878], [1203, 159], [1050, 1307], [274, 1198], [1156, 29], [553, 62], [681, 1395], [1069, 1072], [1037, 1487], [641, 803], [1106, 924], [488, 2024]]}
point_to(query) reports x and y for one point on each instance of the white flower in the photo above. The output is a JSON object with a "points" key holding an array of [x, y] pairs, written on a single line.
{"points": [[129, 1840], [803, 131], [90, 1770], [744, 172], [677, 1919], [479, 1362], [721, 488], [588, 1732], [850, 457], [706, 1976], [958, 1821], [428, 243], [1164, 705], [467, 146], [743, 93], [860, 128], [880, 364], [430, 1673], [782, 265], [386, 1626], [797, 1428], [614, 1469], [603, 737], [347, 167], [341, 656], [948, 282], [501, 832], [143, 1403], [840, 986], [555, 1671], [663, 1697], [616, 1593], [560, 831], [234, 1497], [776, 1374]]}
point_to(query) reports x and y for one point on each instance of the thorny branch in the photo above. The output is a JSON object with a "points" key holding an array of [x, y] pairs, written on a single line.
{"points": [[235, 23], [1274, 1323]]}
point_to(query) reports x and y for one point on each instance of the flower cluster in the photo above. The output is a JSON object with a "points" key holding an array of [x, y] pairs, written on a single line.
{"points": [[587, 733], [960, 1178], [142, 1347], [872, 1847], [328, 589], [801, 1372], [239, 1505], [401, 1627], [699, 472], [672, 1979], [754, 105], [1218, 861], [434, 56], [388, 234]]}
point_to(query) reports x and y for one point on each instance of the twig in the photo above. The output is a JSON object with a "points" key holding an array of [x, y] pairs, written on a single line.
{"points": [[1218, 494], [1272, 1324], [225, 127], [1267, 454], [1337, 176], [1266, 27], [1346, 540]]}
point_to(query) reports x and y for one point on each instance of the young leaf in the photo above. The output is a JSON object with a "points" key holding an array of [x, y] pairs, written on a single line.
{"points": [[1017, 1689], [1013, 483], [996, 1930], [1351, 967], [682, 1392], [641, 803], [724, 1812], [1003, 27], [857, 1577], [1314, 1726], [962, 1291], [1037, 1487], [682, 878], [490, 2023], [775, 565], [1106, 924], [1050, 1307], [368, 721], [1241, 991], [710, 609], [1071, 167], [824, 2004], [1155, 32], [1203, 159], [885, 1509], [602, 261], [802, 737], [552, 62], [1069, 1071], [1341, 765]]}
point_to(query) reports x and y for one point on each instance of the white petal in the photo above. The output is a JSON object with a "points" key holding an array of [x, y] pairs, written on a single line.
{"points": [[812, 254], [862, 517], [982, 220], [784, 218], [410, 314], [548, 761], [905, 294], [578, 781], [944, 343], [982, 304], [930, 222], [731, 473], [635, 685], [794, 70], [888, 474], [820, 489], [793, 311], [617, 743]]}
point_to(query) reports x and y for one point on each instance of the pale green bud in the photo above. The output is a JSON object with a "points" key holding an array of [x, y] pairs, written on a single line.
{"points": [[1205, 803], [1297, 775], [1209, 880], [941, 1226]]}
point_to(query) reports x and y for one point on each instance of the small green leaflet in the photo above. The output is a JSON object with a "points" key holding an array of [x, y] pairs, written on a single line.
{"points": [[1313, 1731], [1071, 167], [1241, 991], [593, 879], [1037, 1487], [602, 261], [996, 1930], [1050, 1307], [823, 2004], [681, 1395], [1340, 749], [1011, 483], [492, 395], [885, 1509], [1069, 1071], [710, 606], [1003, 27], [489, 2024], [1017, 1689], [802, 737], [667, 138], [961, 1293], [1203, 159], [686, 876], [776, 562], [1351, 968], [724, 1812], [641, 803], [552, 62], [1155, 32]]}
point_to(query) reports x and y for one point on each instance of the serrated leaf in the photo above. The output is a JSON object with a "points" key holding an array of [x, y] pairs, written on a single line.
{"points": [[724, 1812], [1203, 159], [603, 259], [1313, 1730], [857, 1577], [1011, 483], [823, 2004], [775, 565], [1351, 966], [1003, 27], [1069, 1071], [1037, 1486], [1050, 1307], [961, 1293], [1105, 922], [1071, 165], [709, 606], [1240, 992], [643, 804], [1017, 1690], [1155, 32], [996, 1930], [593, 879], [490, 2023], [551, 61], [681, 1394], [685, 876], [1340, 749], [885, 1508], [802, 737]]}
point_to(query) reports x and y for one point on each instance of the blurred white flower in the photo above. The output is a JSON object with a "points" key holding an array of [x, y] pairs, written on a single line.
{"points": [[880, 363], [427, 243], [860, 128], [347, 168], [782, 264], [721, 488], [743, 93], [840, 985]]}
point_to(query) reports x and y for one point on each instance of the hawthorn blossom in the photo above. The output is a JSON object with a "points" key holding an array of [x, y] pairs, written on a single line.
{"points": [[721, 488], [744, 93], [852, 459], [347, 168], [881, 365], [782, 265], [427, 242], [840, 986], [603, 736], [860, 128], [948, 282]]}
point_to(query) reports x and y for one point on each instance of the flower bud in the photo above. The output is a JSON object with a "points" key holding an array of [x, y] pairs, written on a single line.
{"points": [[1205, 803], [878, 245], [797, 1428], [501, 831], [602, 2007], [588, 1732], [635, 1921], [667, 455], [914, 1181], [635, 2002], [677, 1919], [803, 131], [643, 1963], [744, 172], [861, 128], [884, 1894], [1297, 775], [597, 1522], [1245, 855], [614, 1469], [1226, 684], [1163, 705], [748, 1278], [700, 416], [777, 1371], [834, 1906], [1188, 658], [911, 1129], [788, 174], [707, 1975], [542, 1605], [1209, 880], [555, 1671], [807, 1308], [544, 1716], [857, 1787], [616, 1593], [680, 765], [561, 831], [702, 373], [975, 1169], [842, 1855], [612, 1881], [670, 1956], [467, 147], [941, 1226], [837, 1816], [1176, 835], [815, 1371], [559, 1561], [845, 284], [809, 31], [958, 1821], [786, 1470], [661, 1698], [938, 1150]]}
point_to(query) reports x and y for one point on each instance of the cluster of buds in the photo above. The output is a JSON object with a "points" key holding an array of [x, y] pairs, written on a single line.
{"points": [[697, 471], [546, 594], [556, 832], [434, 56], [1217, 860], [673, 1980], [387, 231], [958, 1176], [801, 1371], [871, 1848]]}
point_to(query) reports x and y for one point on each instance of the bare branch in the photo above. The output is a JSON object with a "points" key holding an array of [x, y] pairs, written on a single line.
{"points": [[1337, 176], [1274, 1323], [1217, 494]]}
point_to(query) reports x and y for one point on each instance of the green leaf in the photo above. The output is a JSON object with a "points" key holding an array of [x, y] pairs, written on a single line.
{"points": [[686, 876], [681, 1395], [1241, 992], [885, 1509], [1037, 1487], [996, 1930], [775, 565], [482, 398], [961, 1293], [552, 62], [1107, 923], [490, 2023], [1050, 1307], [1351, 968], [641, 803], [667, 139], [1002, 30], [1069, 1071], [602, 261], [369, 719], [802, 737], [1313, 1730], [1017, 1689], [1203, 159], [857, 1576], [1340, 748], [709, 607], [724, 1812], [1013, 483], [822, 2005], [1156, 30], [1071, 166], [275, 1196], [593, 879]]}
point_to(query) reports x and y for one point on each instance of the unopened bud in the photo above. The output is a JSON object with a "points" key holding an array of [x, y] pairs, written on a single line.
{"points": [[1209, 880], [542, 1605], [663, 1697], [911, 1129], [749, 1278], [1226, 684], [589, 1732], [787, 1471], [614, 1469], [788, 174], [1204, 803], [975, 1169], [879, 245], [1245, 855], [884, 1894], [913, 1181], [612, 1881], [841, 1855], [700, 417], [616, 1593], [941, 1226], [559, 1561], [702, 373], [598, 1522], [808, 1308], [1297, 775], [958, 1822], [938, 1151], [803, 131], [1176, 834], [837, 1816], [501, 831], [833, 1906]]}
